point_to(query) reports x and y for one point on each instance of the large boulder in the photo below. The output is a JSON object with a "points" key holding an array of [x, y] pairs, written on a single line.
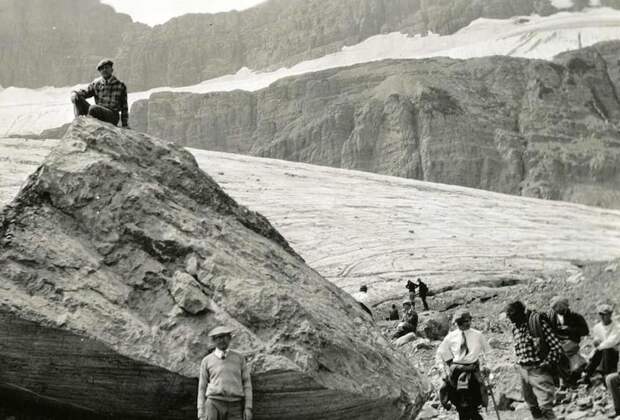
{"points": [[118, 256]]}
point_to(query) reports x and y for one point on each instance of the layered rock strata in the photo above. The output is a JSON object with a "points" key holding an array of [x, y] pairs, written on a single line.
{"points": [[119, 255], [60, 45], [517, 126]]}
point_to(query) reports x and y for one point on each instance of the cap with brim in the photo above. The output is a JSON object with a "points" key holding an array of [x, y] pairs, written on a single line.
{"points": [[221, 330], [605, 309], [461, 316], [406, 302], [104, 62]]}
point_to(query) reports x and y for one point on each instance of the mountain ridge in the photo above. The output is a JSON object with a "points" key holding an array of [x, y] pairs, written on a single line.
{"points": [[192, 48]]}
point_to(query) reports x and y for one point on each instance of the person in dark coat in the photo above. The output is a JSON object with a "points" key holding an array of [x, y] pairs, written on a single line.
{"points": [[569, 327], [411, 286], [393, 314], [423, 292], [409, 323]]}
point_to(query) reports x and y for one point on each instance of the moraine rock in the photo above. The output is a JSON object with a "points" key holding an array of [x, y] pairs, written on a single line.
{"points": [[515, 126], [89, 252]]}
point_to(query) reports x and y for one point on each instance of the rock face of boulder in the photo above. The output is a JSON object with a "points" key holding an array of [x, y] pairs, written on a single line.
{"points": [[119, 255], [516, 126], [60, 45]]}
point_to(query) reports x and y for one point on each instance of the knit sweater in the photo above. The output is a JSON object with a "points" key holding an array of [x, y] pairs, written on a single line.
{"points": [[224, 379]]}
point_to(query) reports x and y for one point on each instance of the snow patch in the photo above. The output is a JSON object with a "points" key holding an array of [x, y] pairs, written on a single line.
{"points": [[562, 4], [30, 111]]}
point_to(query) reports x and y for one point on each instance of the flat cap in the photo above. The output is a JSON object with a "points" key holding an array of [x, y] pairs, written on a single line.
{"points": [[221, 330], [406, 302], [461, 316], [104, 62], [604, 309]]}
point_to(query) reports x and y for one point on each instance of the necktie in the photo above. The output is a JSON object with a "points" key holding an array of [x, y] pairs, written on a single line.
{"points": [[464, 348]]}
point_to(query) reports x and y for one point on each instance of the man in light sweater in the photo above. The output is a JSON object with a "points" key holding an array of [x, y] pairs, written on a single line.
{"points": [[224, 385]]}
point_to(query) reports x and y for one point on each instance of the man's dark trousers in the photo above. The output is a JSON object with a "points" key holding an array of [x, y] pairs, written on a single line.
{"points": [[82, 107], [605, 361], [423, 298]]}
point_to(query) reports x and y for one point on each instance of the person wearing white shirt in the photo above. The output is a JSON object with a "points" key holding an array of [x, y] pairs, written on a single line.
{"points": [[606, 335], [463, 350]]}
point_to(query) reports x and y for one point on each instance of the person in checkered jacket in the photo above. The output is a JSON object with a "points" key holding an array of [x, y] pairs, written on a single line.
{"points": [[538, 351], [110, 97]]}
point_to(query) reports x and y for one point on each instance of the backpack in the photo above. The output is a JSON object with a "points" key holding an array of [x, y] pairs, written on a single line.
{"points": [[534, 326]]}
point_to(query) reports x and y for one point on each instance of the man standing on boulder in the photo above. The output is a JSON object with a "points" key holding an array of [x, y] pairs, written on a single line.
{"points": [[224, 385], [110, 97], [538, 351], [462, 350]]}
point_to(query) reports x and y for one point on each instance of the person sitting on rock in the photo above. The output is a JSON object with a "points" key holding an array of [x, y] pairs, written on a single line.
{"points": [[362, 298], [393, 314], [463, 350], [110, 97], [224, 384], [606, 336], [538, 351], [569, 327], [423, 291], [409, 323]]}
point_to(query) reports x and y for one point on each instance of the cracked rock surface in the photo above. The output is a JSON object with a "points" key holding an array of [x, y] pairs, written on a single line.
{"points": [[119, 255]]}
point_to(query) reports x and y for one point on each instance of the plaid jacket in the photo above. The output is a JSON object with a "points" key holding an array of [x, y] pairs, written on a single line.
{"points": [[526, 348], [111, 94]]}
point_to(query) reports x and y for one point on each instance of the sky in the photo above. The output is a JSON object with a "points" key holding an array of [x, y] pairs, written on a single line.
{"points": [[153, 12]]}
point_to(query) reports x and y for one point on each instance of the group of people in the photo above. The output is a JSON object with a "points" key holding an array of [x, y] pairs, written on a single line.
{"points": [[546, 346], [409, 322]]}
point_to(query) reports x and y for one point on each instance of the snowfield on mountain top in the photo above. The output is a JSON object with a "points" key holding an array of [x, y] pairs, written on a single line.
{"points": [[30, 111], [359, 228]]}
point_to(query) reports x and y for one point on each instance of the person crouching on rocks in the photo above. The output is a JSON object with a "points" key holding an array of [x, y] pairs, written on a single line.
{"points": [[606, 336], [110, 97], [569, 327], [463, 350], [538, 351], [409, 323], [224, 384]]}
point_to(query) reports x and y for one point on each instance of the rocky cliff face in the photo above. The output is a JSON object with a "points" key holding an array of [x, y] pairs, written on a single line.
{"points": [[515, 126], [119, 255], [56, 42], [60, 45]]}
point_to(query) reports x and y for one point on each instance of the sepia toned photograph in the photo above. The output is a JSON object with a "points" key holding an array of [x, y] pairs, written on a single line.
{"points": [[309, 209]]}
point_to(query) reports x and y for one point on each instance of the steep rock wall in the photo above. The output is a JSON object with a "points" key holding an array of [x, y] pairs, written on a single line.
{"points": [[526, 127], [60, 45]]}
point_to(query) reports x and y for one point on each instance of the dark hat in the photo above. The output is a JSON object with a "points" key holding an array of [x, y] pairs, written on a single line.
{"points": [[221, 330], [363, 288], [104, 62], [461, 316]]}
